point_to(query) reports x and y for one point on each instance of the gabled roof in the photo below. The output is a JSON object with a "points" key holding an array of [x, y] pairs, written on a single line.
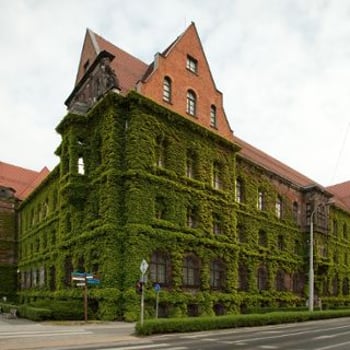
{"points": [[342, 194], [129, 69], [22, 180], [271, 164]]}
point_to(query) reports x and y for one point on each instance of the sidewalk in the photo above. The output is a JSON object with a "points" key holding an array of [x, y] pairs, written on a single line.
{"points": [[20, 334]]}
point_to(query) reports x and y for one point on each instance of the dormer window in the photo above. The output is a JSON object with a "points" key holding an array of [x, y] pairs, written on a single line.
{"points": [[192, 64]]}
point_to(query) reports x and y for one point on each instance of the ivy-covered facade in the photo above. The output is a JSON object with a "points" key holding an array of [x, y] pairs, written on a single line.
{"points": [[222, 230]]}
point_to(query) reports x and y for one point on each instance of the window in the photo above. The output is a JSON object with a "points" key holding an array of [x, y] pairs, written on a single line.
{"points": [[345, 231], [190, 165], [81, 167], [159, 268], [297, 282], [261, 200], [239, 191], [160, 152], [68, 269], [192, 64], [213, 120], [296, 212], [191, 106], [242, 236], [346, 286], [160, 208], [280, 242], [217, 274], [262, 278], [278, 207], [217, 224], [243, 277], [192, 217], [167, 89], [217, 182], [280, 281], [262, 239], [191, 271]]}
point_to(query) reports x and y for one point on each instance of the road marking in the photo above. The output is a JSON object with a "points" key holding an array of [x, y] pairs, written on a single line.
{"points": [[149, 346], [268, 347], [325, 336], [334, 346]]}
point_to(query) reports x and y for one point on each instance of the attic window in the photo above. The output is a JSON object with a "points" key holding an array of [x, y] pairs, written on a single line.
{"points": [[86, 65], [192, 64]]}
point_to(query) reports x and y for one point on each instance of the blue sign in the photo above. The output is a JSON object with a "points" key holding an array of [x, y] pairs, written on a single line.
{"points": [[93, 281], [157, 287], [82, 274]]}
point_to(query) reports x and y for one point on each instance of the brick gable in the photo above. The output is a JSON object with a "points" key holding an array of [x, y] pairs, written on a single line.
{"points": [[172, 63]]}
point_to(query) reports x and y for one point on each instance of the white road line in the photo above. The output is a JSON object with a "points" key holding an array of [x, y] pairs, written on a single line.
{"points": [[334, 346], [51, 334], [149, 346]]}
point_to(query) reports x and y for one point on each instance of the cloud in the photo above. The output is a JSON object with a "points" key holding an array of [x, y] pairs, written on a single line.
{"points": [[281, 65]]}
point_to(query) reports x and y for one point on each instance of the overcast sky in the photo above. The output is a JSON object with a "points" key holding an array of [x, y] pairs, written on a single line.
{"points": [[283, 68]]}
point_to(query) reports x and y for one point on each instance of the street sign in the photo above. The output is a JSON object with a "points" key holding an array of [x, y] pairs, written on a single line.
{"points": [[82, 274], [78, 278], [157, 287], [143, 266], [93, 281]]}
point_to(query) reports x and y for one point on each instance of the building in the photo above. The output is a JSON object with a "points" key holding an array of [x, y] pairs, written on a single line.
{"points": [[150, 169], [15, 185]]}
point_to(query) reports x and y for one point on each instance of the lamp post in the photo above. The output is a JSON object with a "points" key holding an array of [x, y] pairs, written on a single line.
{"points": [[311, 262]]}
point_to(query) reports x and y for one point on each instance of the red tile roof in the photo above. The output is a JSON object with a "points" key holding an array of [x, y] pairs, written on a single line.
{"points": [[129, 69], [271, 164], [22, 180], [342, 194]]}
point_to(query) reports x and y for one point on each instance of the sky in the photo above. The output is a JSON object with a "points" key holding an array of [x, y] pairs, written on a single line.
{"points": [[283, 68]]}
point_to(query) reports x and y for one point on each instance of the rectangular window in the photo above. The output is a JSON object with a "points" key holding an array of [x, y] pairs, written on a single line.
{"points": [[261, 200], [217, 180], [192, 64]]}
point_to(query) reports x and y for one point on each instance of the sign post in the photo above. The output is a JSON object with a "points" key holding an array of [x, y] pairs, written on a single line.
{"points": [[157, 289], [83, 279], [143, 269]]}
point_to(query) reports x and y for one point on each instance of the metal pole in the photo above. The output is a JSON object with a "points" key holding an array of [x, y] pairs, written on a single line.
{"points": [[85, 301], [157, 303], [311, 265], [142, 302]]}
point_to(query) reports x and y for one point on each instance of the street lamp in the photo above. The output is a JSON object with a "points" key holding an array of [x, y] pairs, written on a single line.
{"points": [[311, 262], [311, 257]]}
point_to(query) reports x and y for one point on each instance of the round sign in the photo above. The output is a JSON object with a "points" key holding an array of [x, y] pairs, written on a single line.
{"points": [[157, 287]]}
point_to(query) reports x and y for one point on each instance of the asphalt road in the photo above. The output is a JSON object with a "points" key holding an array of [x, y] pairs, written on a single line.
{"points": [[315, 335]]}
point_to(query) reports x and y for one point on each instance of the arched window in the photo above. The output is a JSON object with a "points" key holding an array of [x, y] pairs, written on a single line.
{"points": [[278, 207], [243, 277], [191, 107], [280, 281], [213, 119], [160, 268], [217, 274], [261, 200], [262, 278], [191, 271], [167, 89]]}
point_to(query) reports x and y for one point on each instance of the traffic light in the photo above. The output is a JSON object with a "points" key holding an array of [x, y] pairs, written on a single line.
{"points": [[139, 287]]}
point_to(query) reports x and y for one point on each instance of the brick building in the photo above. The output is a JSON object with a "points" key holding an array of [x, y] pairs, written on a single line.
{"points": [[150, 169]]}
